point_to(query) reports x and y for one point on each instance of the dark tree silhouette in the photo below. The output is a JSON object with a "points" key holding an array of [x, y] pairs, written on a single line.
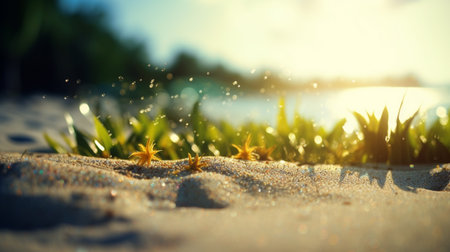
{"points": [[43, 45]]}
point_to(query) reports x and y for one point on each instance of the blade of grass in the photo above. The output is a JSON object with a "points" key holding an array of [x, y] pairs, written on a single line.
{"points": [[103, 134], [82, 143], [54, 145]]}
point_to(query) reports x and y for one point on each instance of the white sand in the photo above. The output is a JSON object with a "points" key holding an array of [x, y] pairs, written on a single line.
{"points": [[67, 203]]}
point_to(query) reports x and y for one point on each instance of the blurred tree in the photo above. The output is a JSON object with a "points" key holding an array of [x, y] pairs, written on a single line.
{"points": [[186, 64], [42, 46]]}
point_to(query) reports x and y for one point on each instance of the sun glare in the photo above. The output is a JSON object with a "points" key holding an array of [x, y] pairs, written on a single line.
{"points": [[374, 99]]}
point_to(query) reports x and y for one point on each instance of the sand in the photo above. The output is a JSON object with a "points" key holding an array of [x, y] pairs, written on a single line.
{"points": [[51, 202]]}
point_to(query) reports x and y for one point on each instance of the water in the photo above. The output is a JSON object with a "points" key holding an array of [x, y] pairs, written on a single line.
{"points": [[326, 107]]}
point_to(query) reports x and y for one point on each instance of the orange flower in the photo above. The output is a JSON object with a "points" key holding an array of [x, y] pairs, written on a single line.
{"points": [[146, 155], [193, 166], [245, 152]]}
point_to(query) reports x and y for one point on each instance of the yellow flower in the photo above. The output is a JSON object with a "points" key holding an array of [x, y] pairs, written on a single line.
{"points": [[146, 155], [245, 152], [193, 166]]}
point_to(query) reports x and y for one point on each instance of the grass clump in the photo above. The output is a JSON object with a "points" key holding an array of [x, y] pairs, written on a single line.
{"points": [[301, 141]]}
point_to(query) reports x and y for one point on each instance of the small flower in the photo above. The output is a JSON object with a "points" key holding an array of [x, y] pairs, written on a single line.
{"points": [[264, 153], [245, 152], [146, 155], [193, 166]]}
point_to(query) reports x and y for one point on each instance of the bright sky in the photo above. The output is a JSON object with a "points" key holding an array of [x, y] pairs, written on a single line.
{"points": [[306, 38]]}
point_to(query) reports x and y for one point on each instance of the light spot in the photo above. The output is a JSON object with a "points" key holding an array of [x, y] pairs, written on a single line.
{"points": [[360, 135], [270, 130], [174, 137], [84, 108], [441, 112], [195, 148], [213, 149], [99, 145], [318, 139], [292, 138]]}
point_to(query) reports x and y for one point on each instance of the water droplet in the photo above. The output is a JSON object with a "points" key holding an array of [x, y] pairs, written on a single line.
{"points": [[315, 85], [191, 79], [66, 80], [235, 83], [252, 71], [120, 77]]}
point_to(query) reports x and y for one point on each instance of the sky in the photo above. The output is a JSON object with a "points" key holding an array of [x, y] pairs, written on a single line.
{"points": [[297, 38]]}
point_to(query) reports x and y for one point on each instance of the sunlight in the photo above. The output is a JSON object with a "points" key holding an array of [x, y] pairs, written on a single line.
{"points": [[373, 99], [323, 38]]}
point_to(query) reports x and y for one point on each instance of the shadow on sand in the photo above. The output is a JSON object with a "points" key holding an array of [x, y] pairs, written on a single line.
{"points": [[407, 180]]}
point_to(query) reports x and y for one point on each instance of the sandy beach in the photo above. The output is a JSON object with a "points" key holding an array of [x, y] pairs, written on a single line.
{"points": [[52, 202]]}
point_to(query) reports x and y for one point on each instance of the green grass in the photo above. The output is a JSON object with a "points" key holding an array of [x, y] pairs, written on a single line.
{"points": [[302, 141]]}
